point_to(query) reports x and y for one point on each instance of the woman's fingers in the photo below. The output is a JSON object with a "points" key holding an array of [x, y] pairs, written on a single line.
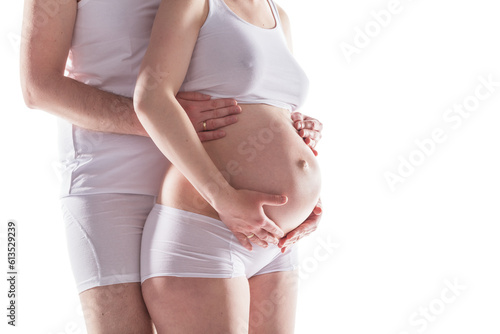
{"points": [[268, 225], [273, 229], [292, 236], [244, 241], [301, 231], [318, 209], [273, 200], [266, 237], [259, 239], [307, 227], [243, 213], [254, 238]]}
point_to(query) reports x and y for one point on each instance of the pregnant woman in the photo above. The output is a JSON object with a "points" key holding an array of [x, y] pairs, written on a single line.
{"points": [[198, 276]]}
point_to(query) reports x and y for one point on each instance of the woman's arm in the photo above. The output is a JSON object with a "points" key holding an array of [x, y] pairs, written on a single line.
{"points": [[44, 50], [164, 67]]}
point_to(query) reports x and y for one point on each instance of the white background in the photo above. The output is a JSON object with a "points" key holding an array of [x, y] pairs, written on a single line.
{"points": [[379, 257]]}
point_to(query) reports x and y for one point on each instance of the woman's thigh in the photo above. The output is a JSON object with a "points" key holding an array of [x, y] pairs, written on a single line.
{"points": [[180, 305], [273, 299], [195, 272]]}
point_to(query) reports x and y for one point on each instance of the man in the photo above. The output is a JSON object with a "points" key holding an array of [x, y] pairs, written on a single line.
{"points": [[111, 168]]}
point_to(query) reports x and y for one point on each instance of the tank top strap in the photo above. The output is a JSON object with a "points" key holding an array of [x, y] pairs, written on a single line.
{"points": [[276, 14], [220, 5]]}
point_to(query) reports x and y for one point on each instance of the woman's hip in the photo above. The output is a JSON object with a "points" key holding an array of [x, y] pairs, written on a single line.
{"points": [[186, 244]]}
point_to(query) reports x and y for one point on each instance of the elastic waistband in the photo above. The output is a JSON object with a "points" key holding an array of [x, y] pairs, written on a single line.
{"points": [[161, 209]]}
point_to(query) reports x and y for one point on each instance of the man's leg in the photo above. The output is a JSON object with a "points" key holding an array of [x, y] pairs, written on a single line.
{"points": [[117, 308], [104, 233]]}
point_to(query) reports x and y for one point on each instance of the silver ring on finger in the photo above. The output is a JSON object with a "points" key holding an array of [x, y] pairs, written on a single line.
{"points": [[250, 236], [204, 126]]}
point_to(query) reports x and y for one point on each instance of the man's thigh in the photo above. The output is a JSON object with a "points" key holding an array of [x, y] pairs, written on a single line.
{"points": [[117, 308], [104, 233]]}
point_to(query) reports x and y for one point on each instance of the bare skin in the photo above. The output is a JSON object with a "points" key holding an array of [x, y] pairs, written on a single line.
{"points": [[251, 156], [44, 50], [198, 305], [219, 305], [116, 308], [263, 304], [273, 302]]}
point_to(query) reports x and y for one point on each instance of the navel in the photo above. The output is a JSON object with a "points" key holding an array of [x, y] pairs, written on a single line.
{"points": [[303, 164]]}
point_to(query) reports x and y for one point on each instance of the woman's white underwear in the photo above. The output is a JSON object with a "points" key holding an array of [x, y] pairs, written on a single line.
{"points": [[186, 244]]}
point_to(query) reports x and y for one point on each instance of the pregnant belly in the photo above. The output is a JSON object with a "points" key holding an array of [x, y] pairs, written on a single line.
{"points": [[261, 152]]}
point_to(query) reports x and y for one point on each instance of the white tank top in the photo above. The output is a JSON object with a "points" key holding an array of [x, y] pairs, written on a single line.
{"points": [[110, 39], [233, 58], [109, 42]]}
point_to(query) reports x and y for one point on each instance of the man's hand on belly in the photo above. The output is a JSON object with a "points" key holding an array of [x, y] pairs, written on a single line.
{"points": [[309, 128], [307, 227], [208, 116]]}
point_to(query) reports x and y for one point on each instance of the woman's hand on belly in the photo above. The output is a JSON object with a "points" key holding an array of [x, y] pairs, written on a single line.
{"points": [[263, 154], [243, 214], [303, 230], [241, 210]]}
